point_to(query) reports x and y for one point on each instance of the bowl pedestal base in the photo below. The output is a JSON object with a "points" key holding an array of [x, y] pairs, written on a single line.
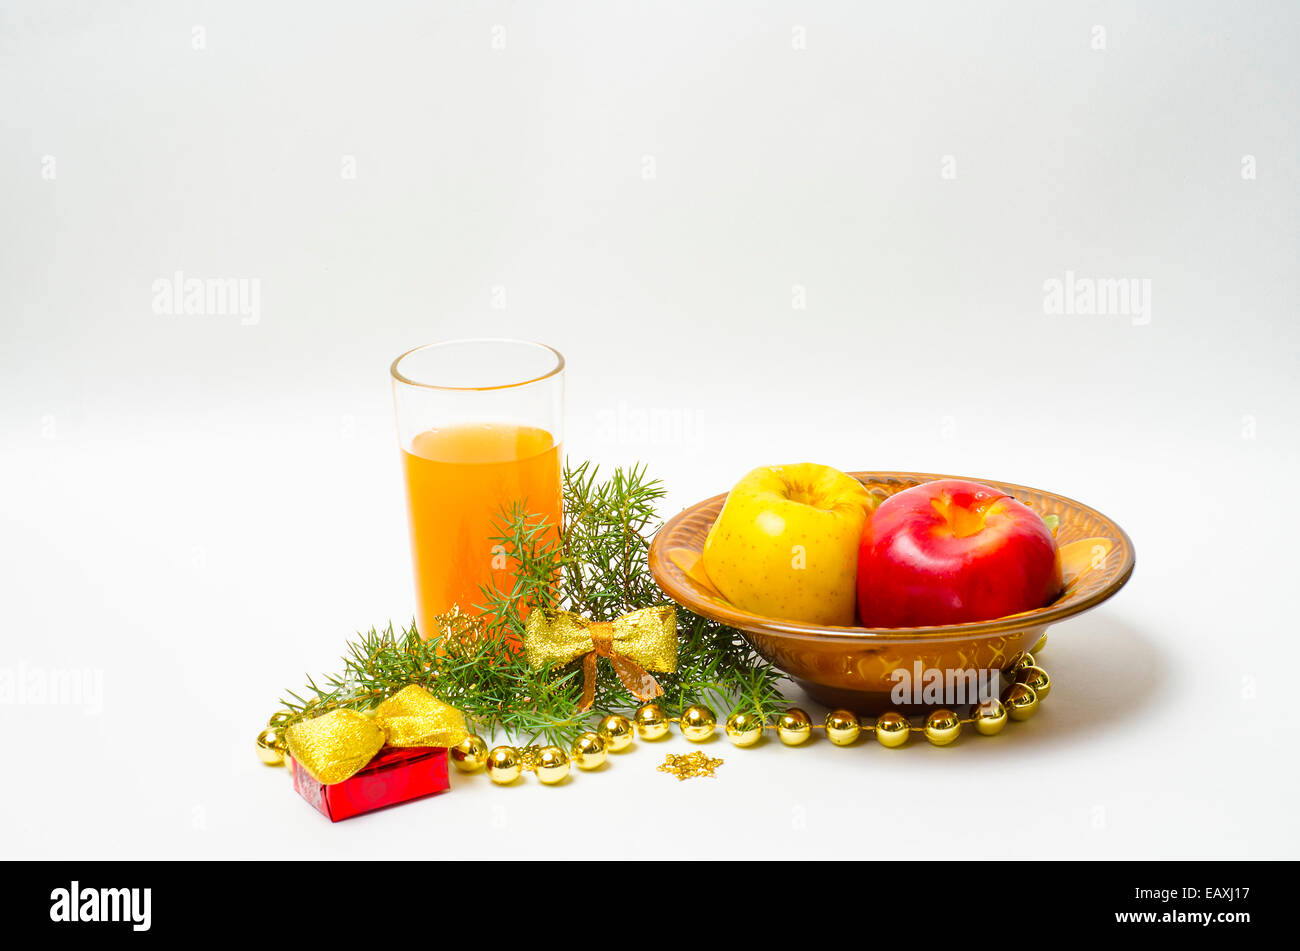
{"points": [[870, 704]]}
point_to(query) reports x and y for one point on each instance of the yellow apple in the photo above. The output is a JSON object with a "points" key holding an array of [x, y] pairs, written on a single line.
{"points": [[785, 544]]}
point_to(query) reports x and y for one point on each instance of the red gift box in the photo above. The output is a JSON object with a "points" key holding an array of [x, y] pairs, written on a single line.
{"points": [[396, 774]]}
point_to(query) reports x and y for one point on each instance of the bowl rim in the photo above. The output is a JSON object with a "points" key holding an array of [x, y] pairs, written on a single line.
{"points": [[669, 578]]}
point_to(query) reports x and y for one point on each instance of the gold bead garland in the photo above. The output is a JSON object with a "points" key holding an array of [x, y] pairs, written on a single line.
{"points": [[469, 754], [271, 747], [842, 728], [793, 727], [1020, 700], [942, 727], [744, 729], [698, 723], [1035, 677], [651, 722], [588, 751], [505, 764], [551, 765], [989, 717], [616, 731], [892, 729]]}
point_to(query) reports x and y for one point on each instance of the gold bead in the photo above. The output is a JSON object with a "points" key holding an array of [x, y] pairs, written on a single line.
{"points": [[744, 729], [698, 723], [552, 765], [990, 717], [651, 724], [270, 747], [793, 727], [470, 754], [1020, 701], [588, 751], [504, 764], [616, 731], [942, 727], [1042, 642], [1036, 678], [843, 727], [1025, 659], [279, 719], [892, 729]]}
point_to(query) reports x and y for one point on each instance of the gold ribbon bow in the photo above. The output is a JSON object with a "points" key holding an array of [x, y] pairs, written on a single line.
{"points": [[635, 643], [336, 745]]}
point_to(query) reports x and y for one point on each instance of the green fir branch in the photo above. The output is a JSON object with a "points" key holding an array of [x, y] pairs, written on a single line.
{"points": [[596, 566]]}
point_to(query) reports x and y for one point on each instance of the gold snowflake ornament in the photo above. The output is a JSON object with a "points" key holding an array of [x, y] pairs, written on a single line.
{"points": [[687, 765]]}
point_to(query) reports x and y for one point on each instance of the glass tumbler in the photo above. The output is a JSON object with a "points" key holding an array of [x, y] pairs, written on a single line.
{"points": [[480, 424]]}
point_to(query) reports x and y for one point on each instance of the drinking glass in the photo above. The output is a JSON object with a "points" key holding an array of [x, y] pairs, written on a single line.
{"points": [[480, 424]]}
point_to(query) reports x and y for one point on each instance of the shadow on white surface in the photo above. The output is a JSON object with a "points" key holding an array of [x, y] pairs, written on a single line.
{"points": [[1106, 673]]}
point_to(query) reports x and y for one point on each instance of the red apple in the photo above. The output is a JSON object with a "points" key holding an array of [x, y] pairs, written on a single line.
{"points": [[952, 551]]}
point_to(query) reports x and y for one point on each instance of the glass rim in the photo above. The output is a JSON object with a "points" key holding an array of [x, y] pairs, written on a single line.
{"points": [[402, 378]]}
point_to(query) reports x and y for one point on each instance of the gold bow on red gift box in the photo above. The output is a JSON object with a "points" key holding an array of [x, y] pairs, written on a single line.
{"points": [[635, 644], [336, 745]]}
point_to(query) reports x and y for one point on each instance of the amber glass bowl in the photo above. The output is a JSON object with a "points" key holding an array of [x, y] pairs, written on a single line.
{"points": [[853, 667]]}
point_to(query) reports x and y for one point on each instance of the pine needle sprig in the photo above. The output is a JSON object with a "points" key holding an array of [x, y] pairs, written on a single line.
{"points": [[596, 566]]}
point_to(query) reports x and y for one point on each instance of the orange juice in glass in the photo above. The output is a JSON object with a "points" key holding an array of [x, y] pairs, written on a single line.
{"points": [[480, 424]]}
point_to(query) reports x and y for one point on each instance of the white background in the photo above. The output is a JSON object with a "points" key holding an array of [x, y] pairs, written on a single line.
{"points": [[199, 509]]}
